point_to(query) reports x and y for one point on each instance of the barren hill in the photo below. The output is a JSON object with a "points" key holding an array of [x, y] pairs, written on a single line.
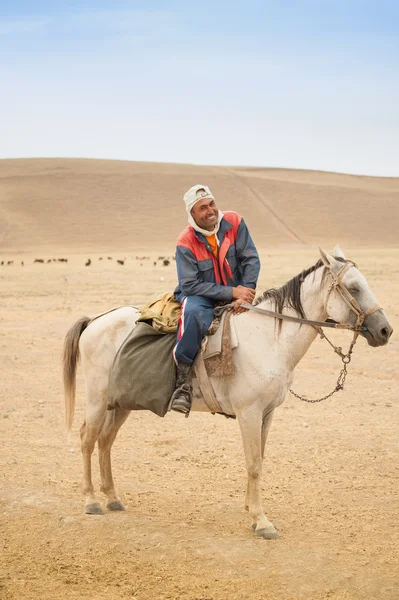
{"points": [[96, 205]]}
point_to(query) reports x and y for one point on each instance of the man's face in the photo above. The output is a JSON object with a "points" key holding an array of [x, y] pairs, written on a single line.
{"points": [[205, 213]]}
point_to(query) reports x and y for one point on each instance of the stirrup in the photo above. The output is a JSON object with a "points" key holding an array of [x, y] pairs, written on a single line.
{"points": [[182, 406]]}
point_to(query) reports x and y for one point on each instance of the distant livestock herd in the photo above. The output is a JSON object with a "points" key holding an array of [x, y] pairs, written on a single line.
{"points": [[165, 261]]}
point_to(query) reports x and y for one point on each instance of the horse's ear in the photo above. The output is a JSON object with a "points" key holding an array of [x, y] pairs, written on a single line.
{"points": [[329, 261], [338, 252]]}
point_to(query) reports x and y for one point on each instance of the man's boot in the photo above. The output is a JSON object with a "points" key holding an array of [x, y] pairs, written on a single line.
{"points": [[182, 397]]}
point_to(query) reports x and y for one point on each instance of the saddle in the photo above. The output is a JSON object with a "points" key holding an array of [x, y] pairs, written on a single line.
{"points": [[143, 375], [163, 315]]}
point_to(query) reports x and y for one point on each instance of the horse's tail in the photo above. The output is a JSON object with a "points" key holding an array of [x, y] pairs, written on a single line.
{"points": [[70, 361]]}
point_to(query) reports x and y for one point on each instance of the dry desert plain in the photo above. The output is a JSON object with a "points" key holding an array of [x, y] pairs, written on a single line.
{"points": [[330, 481]]}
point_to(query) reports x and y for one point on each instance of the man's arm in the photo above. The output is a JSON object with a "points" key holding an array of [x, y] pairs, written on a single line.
{"points": [[190, 281], [248, 256]]}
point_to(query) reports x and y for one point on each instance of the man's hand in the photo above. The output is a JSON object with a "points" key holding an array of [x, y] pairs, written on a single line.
{"points": [[242, 295], [246, 295]]}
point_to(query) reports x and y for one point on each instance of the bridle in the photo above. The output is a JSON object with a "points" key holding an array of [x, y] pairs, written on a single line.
{"points": [[335, 284]]}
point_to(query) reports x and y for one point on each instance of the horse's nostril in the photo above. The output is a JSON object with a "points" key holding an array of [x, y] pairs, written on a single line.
{"points": [[386, 332]]}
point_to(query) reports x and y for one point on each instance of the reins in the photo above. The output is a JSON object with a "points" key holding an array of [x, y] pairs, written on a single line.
{"points": [[270, 313], [335, 284]]}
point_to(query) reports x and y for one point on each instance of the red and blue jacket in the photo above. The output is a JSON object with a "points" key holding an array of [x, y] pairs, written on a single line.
{"points": [[201, 273]]}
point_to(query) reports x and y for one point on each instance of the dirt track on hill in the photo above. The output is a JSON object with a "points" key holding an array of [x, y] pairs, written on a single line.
{"points": [[330, 482]]}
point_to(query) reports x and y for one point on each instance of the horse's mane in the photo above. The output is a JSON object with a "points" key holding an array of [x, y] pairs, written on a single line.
{"points": [[289, 294]]}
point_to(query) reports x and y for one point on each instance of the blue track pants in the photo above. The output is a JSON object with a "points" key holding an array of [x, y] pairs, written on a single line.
{"points": [[195, 320]]}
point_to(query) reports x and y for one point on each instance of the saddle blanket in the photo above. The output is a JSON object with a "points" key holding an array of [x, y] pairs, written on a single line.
{"points": [[212, 345]]}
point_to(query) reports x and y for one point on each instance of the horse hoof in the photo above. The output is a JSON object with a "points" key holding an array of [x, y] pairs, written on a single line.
{"points": [[116, 505], [268, 533], [93, 509]]}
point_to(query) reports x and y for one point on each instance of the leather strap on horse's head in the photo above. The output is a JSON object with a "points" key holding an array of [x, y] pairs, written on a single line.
{"points": [[336, 283]]}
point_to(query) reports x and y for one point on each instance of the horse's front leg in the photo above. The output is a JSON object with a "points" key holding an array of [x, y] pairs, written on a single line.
{"points": [[266, 422], [254, 432]]}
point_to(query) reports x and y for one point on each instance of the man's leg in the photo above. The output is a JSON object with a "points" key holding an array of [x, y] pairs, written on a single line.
{"points": [[196, 317]]}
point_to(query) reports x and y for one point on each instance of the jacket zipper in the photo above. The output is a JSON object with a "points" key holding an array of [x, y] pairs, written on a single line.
{"points": [[215, 262]]}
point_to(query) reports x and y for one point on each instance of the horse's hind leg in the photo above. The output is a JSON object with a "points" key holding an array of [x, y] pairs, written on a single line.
{"points": [[89, 433], [113, 422]]}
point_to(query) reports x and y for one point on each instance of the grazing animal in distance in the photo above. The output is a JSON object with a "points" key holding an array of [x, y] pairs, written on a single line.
{"points": [[88, 263], [38, 260], [264, 363], [166, 262], [120, 262]]}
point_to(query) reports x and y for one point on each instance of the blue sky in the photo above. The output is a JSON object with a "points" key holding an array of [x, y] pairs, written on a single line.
{"points": [[292, 83]]}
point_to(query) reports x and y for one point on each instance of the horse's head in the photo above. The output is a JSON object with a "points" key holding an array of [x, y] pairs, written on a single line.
{"points": [[349, 299]]}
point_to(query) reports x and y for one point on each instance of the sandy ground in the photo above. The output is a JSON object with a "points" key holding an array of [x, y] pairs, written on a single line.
{"points": [[330, 482], [81, 205]]}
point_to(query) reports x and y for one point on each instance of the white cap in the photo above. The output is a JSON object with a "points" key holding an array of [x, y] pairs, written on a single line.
{"points": [[196, 193]]}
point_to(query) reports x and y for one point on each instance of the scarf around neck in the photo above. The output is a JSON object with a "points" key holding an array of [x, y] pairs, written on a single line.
{"points": [[205, 231]]}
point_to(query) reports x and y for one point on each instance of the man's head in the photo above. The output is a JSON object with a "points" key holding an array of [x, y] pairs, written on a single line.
{"points": [[201, 204]]}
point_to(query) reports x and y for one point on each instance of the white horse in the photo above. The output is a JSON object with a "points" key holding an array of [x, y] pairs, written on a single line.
{"points": [[264, 364]]}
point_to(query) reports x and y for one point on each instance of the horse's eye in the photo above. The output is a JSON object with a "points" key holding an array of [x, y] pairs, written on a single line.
{"points": [[354, 290]]}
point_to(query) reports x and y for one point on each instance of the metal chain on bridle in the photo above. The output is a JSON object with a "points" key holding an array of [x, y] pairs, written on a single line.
{"points": [[346, 358], [335, 284]]}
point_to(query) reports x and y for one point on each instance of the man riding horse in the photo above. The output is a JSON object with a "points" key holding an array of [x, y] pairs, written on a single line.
{"points": [[216, 261]]}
